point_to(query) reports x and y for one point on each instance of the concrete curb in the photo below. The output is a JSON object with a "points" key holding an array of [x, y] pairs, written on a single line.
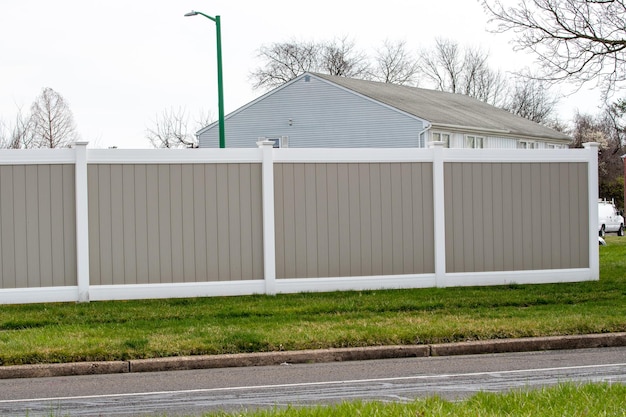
{"points": [[314, 356]]}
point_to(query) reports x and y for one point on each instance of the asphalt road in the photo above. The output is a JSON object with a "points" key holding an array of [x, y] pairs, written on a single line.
{"points": [[194, 392]]}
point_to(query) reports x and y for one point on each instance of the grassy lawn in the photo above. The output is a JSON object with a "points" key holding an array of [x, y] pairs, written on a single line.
{"points": [[562, 400], [64, 332]]}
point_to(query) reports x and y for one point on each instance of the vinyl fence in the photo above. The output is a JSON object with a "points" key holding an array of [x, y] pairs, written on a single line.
{"points": [[81, 224]]}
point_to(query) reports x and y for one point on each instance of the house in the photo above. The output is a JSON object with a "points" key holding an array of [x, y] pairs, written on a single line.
{"points": [[317, 110]]}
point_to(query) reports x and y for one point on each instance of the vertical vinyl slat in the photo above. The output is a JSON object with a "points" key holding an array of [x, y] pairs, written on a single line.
{"points": [[428, 218], [104, 199], [8, 273], [223, 233], [526, 215], [32, 227], [45, 227], [245, 214], [321, 214], [487, 214], [289, 201], [234, 225], [334, 248], [407, 218], [176, 222], [536, 232], [188, 219], [93, 185], [376, 225], [365, 224], [469, 218], [214, 244], [117, 225], [498, 217], [417, 196], [257, 222], [354, 220], [165, 225], [508, 233], [141, 230], [343, 186], [69, 215], [130, 238], [396, 218], [386, 210], [199, 222], [153, 208], [566, 211], [279, 220], [300, 214], [57, 226], [478, 201], [311, 221]]}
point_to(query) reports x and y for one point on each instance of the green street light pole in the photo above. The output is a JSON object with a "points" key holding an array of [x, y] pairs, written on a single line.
{"points": [[220, 82]]}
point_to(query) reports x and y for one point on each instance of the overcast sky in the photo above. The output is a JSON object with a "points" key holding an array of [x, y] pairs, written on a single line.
{"points": [[120, 63]]}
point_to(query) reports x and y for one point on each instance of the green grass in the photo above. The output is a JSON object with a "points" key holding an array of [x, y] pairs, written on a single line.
{"points": [[562, 400], [120, 330]]}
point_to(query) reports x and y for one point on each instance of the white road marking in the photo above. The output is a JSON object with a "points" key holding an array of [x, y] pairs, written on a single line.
{"points": [[312, 384]]}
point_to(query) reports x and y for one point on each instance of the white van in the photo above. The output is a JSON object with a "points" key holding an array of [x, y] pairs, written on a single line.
{"points": [[610, 219]]}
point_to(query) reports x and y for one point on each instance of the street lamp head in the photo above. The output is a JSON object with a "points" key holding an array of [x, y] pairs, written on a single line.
{"points": [[191, 13]]}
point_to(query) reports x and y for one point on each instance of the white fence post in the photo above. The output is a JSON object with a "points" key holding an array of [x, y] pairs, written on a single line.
{"points": [[592, 177], [440, 214], [269, 239], [82, 222]]}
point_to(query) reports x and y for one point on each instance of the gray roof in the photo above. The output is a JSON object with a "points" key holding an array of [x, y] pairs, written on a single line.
{"points": [[447, 109]]}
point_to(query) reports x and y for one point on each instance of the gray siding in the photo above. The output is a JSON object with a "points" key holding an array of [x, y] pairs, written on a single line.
{"points": [[164, 223], [514, 216], [357, 219], [322, 115], [37, 226]]}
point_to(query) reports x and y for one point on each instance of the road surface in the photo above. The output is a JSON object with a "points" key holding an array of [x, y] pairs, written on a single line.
{"points": [[194, 392]]}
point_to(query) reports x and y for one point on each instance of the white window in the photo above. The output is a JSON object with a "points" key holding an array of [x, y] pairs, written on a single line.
{"points": [[442, 137], [475, 142], [281, 142], [525, 144]]}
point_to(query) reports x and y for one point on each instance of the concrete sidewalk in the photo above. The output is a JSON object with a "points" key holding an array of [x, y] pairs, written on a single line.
{"points": [[312, 356]]}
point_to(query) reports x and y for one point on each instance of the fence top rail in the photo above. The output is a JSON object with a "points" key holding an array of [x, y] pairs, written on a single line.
{"points": [[37, 156], [519, 155], [287, 155], [173, 156], [348, 155]]}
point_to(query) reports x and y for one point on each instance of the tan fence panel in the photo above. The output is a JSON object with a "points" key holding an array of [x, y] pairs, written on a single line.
{"points": [[174, 223], [516, 216], [37, 226], [353, 219]]}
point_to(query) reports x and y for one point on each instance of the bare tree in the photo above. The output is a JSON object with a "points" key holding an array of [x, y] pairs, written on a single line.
{"points": [[283, 62], [52, 121], [604, 129], [18, 135], [340, 57], [574, 40], [449, 67], [172, 129], [394, 64], [531, 99]]}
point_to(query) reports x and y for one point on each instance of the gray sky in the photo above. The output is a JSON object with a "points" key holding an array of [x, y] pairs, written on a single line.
{"points": [[120, 63]]}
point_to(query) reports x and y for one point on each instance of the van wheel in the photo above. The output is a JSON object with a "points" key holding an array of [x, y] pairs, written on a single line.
{"points": [[620, 231], [602, 231]]}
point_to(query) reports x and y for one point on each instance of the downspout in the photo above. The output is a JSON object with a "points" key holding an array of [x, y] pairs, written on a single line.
{"points": [[419, 135]]}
